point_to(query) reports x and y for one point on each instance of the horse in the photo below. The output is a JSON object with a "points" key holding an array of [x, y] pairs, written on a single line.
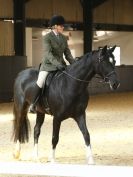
{"points": [[67, 96]]}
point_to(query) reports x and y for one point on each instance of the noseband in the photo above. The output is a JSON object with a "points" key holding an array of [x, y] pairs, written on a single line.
{"points": [[106, 78]]}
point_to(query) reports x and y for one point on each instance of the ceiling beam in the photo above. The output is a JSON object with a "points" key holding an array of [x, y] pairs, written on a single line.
{"points": [[95, 3], [40, 23]]}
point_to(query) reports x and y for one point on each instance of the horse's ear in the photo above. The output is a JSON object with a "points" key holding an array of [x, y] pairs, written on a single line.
{"points": [[113, 48], [104, 50]]}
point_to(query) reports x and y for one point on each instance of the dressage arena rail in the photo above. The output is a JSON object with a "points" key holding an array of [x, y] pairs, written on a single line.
{"points": [[67, 170]]}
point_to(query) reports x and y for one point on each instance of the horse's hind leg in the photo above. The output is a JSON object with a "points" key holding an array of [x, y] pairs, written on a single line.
{"points": [[21, 125], [55, 138], [37, 131], [16, 153], [81, 121]]}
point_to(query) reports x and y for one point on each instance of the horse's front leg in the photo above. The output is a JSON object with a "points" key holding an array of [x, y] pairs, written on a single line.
{"points": [[81, 121], [55, 139], [37, 131]]}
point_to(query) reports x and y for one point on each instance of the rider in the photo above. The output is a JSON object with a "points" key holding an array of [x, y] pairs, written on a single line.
{"points": [[55, 45]]}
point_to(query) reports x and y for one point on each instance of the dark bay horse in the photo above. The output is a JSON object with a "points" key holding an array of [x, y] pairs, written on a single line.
{"points": [[67, 97]]}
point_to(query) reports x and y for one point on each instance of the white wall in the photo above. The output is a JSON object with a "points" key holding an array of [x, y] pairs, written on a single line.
{"points": [[29, 46], [125, 41], [37, 53], [122, 39], [75, 43]]}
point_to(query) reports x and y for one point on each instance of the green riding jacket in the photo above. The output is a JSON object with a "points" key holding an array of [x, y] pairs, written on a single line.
{"points": [[54, 48]]}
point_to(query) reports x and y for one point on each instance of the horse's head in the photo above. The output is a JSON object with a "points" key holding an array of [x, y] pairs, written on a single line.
{"points": [[106, 66]]}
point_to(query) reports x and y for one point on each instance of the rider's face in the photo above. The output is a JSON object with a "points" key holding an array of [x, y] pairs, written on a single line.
{"points": [[59, 28]]}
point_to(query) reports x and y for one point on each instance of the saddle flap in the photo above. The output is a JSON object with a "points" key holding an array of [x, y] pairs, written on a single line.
{"points": [[45, 90], [49, 78]]}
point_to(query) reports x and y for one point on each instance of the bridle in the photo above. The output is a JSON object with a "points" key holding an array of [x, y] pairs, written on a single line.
{"points": [[109, 74], [106, 77]]}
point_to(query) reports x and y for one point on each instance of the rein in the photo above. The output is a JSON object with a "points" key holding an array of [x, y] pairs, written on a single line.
{"points": [[80, 80]]}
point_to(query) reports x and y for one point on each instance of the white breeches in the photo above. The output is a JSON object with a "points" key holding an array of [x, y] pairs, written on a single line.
{"points": [[42, 78]]}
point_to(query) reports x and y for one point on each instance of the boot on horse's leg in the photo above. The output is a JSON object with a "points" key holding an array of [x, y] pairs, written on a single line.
{"points": [[37, 90]]}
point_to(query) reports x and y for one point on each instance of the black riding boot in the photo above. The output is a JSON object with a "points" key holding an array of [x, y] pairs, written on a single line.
{"points": [[37, 91]]}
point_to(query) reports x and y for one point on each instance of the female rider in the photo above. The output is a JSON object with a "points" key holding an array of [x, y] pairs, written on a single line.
{"points": [[55, 45]]}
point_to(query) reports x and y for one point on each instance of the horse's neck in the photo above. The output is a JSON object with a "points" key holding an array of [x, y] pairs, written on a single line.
{"points": [[83, 69]]}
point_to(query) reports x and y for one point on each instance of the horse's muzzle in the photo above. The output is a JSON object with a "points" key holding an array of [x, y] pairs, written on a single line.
{"points": [[114, 85], [112, 79]]}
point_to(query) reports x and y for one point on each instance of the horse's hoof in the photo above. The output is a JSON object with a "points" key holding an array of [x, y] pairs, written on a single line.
{"points": [[52, 161], [16, 155], [91, 162], [35, 157]]}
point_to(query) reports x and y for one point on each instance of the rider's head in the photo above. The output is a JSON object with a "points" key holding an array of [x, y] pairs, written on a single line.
{"points": [[57, 22]]}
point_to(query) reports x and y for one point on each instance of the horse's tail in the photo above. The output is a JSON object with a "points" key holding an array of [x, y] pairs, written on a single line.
{"points": [[21, 124]]}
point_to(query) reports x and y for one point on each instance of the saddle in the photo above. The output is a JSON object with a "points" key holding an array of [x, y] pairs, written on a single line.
{"points": [[45, 90]]}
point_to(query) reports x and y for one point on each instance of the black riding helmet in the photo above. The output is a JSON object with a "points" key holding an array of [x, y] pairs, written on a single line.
{"points": [[57, 20]]}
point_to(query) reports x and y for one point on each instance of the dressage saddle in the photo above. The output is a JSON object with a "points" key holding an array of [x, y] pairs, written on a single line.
{"points": [[45, 90]]}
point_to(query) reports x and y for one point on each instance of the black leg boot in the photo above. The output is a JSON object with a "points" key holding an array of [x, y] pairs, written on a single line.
{"points": [[36, 95]]}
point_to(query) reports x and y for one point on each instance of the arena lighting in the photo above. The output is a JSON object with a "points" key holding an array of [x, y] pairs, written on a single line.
{"points": [[6, 20], [44, 32], [103, 33], [100, 33], [95, 37]]}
